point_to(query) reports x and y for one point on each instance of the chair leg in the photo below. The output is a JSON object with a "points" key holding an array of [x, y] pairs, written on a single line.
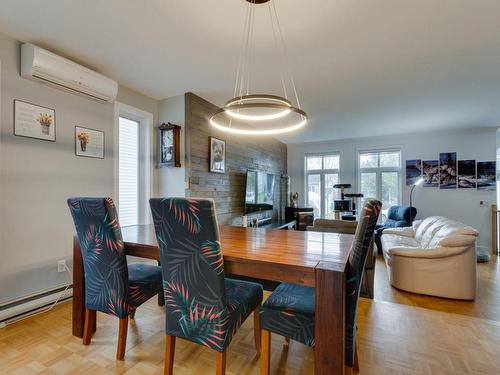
{"points": [[287, 342], [348, 370], [168, 367], [88, 326], [355, 366], [221, 363], [94, 322], [161, 298], [122, 338], [256, 329], [265, 355], [132, 314]]}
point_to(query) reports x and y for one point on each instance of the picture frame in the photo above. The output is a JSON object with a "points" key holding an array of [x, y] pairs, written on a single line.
{"points": [[448, 170], [169, 153], [89, 142], [217, 155], [34, 121]]}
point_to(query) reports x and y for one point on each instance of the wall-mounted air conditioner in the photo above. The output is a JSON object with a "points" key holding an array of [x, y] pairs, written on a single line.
{"points": [[46, 67]]}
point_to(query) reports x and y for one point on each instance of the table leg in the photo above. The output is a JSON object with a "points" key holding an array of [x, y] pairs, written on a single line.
{"points": [[78, 290], [329, 352]]}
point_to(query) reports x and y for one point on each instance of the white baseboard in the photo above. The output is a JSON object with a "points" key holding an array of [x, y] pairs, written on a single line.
{"points": [[32, 306]]}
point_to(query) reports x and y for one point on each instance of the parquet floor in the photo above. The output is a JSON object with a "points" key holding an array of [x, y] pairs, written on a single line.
{"points": [[399, 333]]}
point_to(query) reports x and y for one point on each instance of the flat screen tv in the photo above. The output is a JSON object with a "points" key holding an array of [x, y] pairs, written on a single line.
{"points": [[259, 191]]}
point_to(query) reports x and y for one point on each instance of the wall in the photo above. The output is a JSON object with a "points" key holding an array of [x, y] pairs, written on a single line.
{"points": [[37, 177], [172, 180], [461, 205], [242, 153]]}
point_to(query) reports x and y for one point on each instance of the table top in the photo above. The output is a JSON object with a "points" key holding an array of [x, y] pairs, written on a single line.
{"points": [[284, 247]]}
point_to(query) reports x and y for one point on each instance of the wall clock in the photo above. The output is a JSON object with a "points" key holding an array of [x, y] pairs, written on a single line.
{"points": [[169, 154]]}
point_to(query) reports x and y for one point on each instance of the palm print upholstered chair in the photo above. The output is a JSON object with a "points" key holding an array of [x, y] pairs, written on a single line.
{"points": [[111, 286], [202, 305], [290, 309]]}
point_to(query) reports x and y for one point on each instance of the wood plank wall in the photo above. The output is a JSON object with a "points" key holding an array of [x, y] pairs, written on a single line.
{"points": [[242, 152]]}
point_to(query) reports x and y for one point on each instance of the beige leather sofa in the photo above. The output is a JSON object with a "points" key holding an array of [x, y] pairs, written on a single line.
{"points": [[349, 227], [437, 256]]}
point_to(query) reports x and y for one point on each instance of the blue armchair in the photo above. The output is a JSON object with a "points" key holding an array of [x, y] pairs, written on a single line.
{"points": [[397, 216]]}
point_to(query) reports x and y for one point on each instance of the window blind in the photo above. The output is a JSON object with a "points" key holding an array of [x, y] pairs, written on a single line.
{"points": [[128, 200]]}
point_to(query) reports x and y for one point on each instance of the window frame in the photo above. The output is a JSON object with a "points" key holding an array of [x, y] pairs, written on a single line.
{"points": [[380, 170], [145, 120], [322, 172]]}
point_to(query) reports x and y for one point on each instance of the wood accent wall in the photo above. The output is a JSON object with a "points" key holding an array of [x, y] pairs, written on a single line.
{"points": [[242, 152]]}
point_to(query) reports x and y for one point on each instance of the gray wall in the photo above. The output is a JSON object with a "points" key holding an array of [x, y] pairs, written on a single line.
{"points": [[37, 176], [461, 205]]}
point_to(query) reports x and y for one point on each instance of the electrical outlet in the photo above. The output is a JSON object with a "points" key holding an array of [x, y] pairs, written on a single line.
{"points": [[61, 265], [484, 203]]}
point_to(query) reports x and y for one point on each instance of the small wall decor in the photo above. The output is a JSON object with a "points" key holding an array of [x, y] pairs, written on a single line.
{"points": [[430, 170], [169, 154], [448, 170], [217, 155], [486, 175], [34, 121], [466, 170], [89, 143], [413, 171]]}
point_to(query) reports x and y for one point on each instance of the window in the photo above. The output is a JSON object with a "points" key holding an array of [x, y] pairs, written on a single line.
{"points": [[380, 176], [133, 166], [322, 172], [128, 191]]}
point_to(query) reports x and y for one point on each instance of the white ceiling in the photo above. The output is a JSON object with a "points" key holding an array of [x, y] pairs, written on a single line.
{"points": [[362, 67]]}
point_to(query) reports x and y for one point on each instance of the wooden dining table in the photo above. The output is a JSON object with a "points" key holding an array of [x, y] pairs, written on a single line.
{"points": [[313, 259]]}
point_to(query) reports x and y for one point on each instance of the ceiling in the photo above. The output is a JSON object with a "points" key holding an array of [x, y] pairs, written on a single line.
{"points": [[362, 68]]}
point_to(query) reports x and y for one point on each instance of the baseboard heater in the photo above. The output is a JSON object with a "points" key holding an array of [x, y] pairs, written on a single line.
{"points": [[32, 305]]}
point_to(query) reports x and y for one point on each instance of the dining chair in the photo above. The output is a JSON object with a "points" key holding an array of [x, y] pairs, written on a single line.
{"points": [[201, 304], [111, 286], [289, 311]]}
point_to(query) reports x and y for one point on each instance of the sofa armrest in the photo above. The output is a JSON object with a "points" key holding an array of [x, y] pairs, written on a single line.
{"points": [[401, 231], [432, 253]]}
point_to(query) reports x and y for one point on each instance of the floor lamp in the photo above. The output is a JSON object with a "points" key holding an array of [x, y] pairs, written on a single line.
{"points": [[417, 183]]}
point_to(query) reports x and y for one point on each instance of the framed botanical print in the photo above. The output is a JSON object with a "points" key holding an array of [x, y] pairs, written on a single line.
{"points": [[34, 121], [169, 145], [89, 142], [217, 155]]}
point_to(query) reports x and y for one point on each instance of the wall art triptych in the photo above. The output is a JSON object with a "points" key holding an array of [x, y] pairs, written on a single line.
{"points": [[450, 173]]}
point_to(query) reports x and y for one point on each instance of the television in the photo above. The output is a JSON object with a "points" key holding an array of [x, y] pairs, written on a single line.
{"points": [[259, 191]]}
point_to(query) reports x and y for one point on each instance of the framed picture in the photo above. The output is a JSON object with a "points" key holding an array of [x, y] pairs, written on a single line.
{"points": [[169, 153], [413, 171], [466, 174], [89, 142], [486, 175], [448, 170], [34, 121], [217, 155], [430, 169]]}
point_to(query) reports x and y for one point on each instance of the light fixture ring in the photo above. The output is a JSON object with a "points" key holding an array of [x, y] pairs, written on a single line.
{"points": [[245, 98]]}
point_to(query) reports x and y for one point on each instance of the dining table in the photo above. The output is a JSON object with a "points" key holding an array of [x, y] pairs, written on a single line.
{"points": [[314, 259]]}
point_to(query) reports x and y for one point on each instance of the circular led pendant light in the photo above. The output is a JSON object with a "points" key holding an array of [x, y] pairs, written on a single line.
{"points": [[260, 114]]}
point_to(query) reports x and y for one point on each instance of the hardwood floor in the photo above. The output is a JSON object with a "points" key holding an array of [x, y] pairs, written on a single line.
{"points": [[399, 333]]}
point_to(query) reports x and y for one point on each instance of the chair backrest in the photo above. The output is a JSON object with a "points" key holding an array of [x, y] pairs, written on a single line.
{"points": [[357, 258], [192, 269], [104, 262]]}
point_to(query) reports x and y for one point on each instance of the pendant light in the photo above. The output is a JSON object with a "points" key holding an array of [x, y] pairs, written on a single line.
{"points": [[260, 114]]}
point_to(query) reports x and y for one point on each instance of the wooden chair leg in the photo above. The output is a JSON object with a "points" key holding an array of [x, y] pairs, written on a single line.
{"points": [[221, 363], [348, 370], [132, 314], [265, 355], [287, 342], [161, 298], [122, 338], [355, 366], [168, 367], [94, 322], [256, 329], [88, 326]]}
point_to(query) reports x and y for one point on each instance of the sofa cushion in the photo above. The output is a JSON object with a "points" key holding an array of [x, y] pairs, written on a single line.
{"points": [[393, 240], [424, 225], [453, 234], [431, 230]]}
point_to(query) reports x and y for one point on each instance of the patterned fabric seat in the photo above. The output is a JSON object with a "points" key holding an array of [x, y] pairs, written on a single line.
{"points": [[201, 304], [289, 312], [290, 309], [143, 282], [111, 286]]}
